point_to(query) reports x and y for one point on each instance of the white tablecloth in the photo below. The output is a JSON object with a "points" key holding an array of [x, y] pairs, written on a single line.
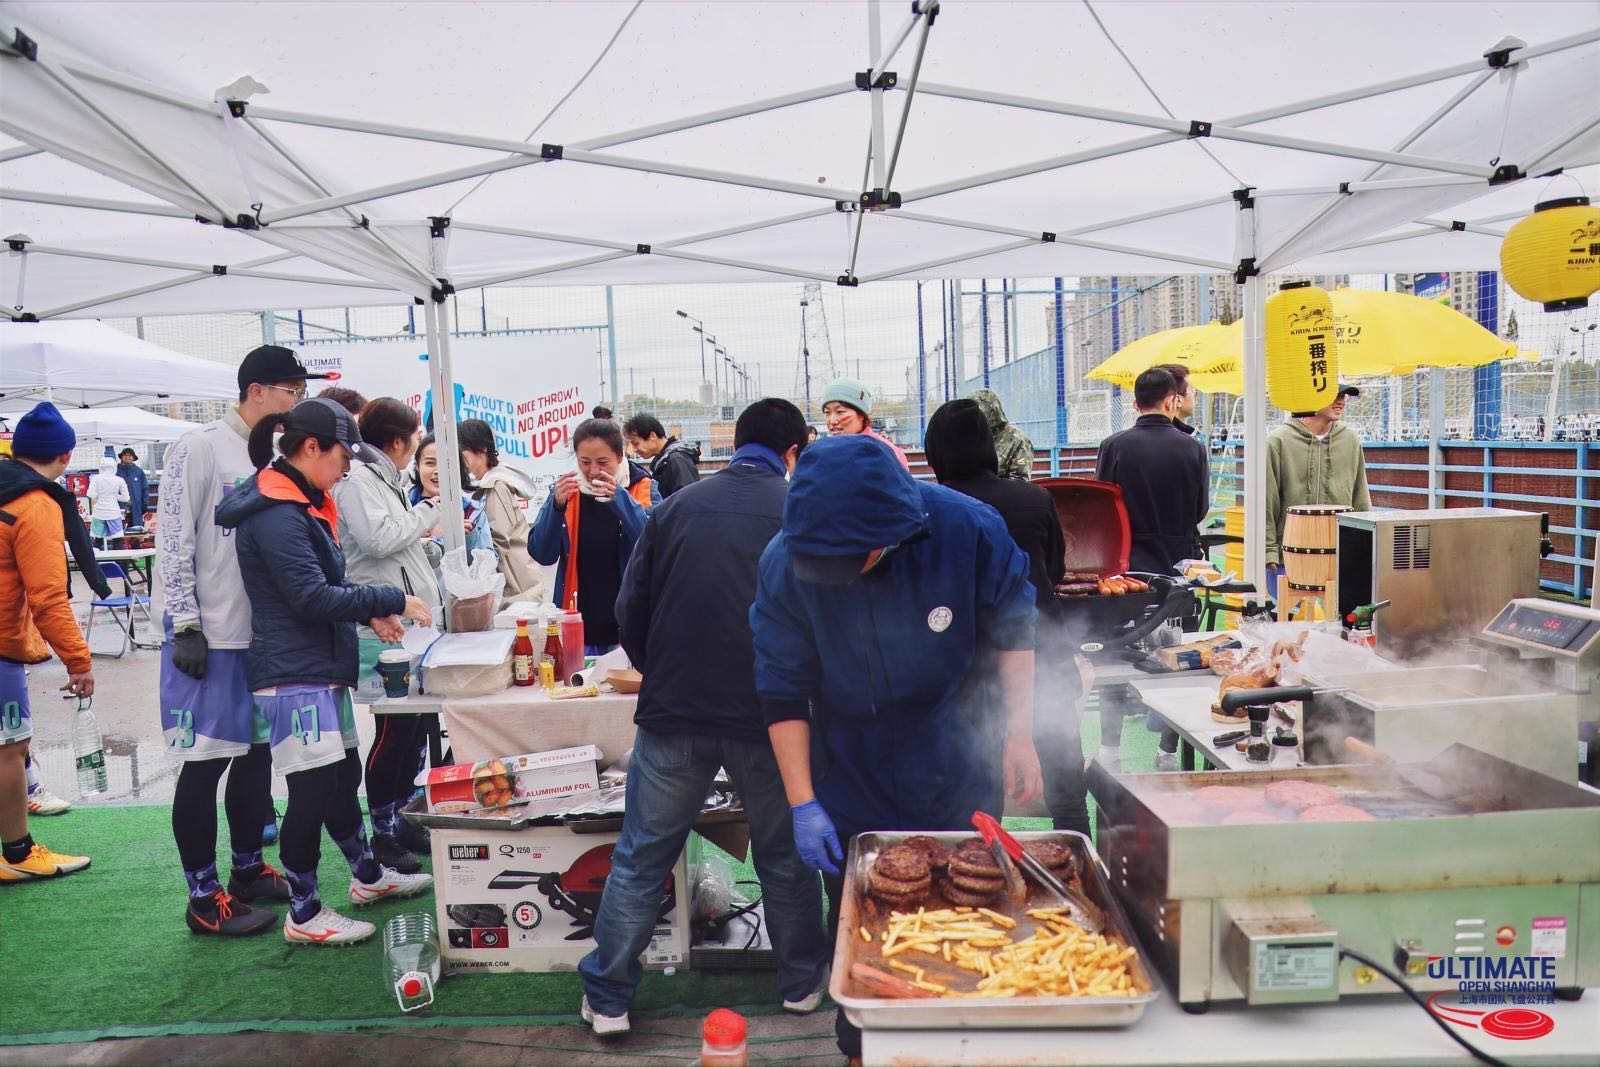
{"points": [[520, 720]]}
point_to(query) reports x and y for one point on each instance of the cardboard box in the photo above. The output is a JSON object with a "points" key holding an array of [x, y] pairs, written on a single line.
{"points": [[499, 783], [525, 900]]}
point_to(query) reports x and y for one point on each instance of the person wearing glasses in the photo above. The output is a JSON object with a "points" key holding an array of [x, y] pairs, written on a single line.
{"points": [[205, 705]]}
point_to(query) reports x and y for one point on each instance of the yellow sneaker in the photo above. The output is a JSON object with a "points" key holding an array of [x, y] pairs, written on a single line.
{"points": [[41, 863]]}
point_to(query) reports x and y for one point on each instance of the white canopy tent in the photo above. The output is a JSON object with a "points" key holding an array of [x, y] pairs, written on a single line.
{"points": [[121, 426], [152, 172], [91, 365]]}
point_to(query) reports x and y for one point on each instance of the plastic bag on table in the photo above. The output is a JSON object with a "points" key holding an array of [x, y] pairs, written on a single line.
{"points": [[472, 591], [712, 892]]}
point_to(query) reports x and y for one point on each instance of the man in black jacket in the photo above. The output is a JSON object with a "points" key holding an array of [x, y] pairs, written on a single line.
{"points": [[1164, 473], [673, 463], [684, 617], [961, 450]]}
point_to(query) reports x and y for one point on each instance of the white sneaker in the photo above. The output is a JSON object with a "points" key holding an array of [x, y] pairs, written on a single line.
{"points": [[812, 1000], [604, 1025], [1166, 761], [390, 883], [326, 927], [43, 802]]}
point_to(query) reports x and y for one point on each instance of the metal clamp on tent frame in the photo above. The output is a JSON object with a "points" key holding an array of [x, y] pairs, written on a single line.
{"points": [[874, 200], [885, 80]]}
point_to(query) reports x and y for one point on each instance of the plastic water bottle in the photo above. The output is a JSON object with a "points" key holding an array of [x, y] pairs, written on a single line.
{"points": [[411, 958], [89, 753]]}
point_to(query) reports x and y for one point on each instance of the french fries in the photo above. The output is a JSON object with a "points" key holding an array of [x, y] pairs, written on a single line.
{"points": [[1058, 959]]}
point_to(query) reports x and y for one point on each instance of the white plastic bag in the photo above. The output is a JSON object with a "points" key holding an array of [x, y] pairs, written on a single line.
{"points": [[472, 592]]}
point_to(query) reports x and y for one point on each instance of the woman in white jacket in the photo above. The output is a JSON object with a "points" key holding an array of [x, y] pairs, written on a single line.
{"points": [[382, 534], [107, 494]]}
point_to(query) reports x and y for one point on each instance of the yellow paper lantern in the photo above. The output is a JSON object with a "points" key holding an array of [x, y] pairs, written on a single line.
{"points": [[1553, 255], [1302, 359]]}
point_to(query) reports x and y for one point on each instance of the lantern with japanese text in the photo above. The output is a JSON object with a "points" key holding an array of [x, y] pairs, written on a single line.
{"points": [[1553, 255], [1302, 358]]}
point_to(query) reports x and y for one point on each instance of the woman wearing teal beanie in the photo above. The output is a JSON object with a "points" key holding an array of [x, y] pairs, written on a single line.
{"points": [[847, 408]]}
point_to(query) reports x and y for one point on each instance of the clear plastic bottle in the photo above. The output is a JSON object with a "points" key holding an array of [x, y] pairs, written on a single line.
{"points": [[88, 751], [723, 1040], [411, 958]]}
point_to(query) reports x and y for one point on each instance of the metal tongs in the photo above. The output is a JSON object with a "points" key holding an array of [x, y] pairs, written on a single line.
{"points": [[1007, 848]]}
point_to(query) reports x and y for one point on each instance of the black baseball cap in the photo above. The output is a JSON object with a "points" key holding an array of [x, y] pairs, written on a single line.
{"points": [[323, 418], [1349, 390], [270, 364]]}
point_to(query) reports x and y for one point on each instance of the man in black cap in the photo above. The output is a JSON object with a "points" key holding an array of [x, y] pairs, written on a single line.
{"points": [[205, 702], [128, 470], [1313, 458]]}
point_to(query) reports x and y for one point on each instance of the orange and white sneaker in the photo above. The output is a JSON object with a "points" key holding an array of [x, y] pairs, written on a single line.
{"points": [[43, 802], [326, 927], [391, 884], [40, 862]]}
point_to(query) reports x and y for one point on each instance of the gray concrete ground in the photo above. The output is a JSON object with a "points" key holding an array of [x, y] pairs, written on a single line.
{"points": [[126, 706]]}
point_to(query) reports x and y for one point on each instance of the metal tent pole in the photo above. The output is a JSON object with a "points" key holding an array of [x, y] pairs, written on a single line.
{"points": [[922, 372], [441, 380], [1061, 367], [983, 327], [958, 358], [1255, 400], [611, 341], [1436, 388]]}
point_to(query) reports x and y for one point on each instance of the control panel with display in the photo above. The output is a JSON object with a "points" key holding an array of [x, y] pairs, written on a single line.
{"points": [[1542, 626]]}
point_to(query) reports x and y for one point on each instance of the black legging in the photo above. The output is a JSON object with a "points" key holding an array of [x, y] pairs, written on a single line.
{"points": [[248, 800], [392, 759], [323, 796]]}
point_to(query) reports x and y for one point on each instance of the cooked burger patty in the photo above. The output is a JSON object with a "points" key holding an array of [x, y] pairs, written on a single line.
{"points": [[1335, 813], [883, 885], [974, 884], [1299, 795], [963, 897], [934, 851], [1222, 799], [975, 864], [903, 863], [1052, 854]]}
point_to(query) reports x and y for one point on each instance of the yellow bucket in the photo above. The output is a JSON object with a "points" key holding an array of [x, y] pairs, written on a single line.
{"points": [[1233, 560], [1233, 522]]}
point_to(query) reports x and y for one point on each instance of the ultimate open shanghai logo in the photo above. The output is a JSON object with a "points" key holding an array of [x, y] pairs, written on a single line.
{"points": [[1511, 984]]}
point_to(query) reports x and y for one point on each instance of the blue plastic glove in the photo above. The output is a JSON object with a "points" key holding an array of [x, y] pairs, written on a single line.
{"points": [[815, 838]]}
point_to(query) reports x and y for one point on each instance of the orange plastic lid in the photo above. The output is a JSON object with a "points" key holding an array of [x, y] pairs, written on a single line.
{"points": [[723, 1027]]}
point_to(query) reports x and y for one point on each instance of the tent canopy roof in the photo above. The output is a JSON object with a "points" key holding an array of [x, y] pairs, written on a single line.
{"points": [[729, 142], [92, 365]]}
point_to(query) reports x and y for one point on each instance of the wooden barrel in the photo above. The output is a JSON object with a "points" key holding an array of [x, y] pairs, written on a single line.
{"points": [[1233, 521], [1311, 545]]}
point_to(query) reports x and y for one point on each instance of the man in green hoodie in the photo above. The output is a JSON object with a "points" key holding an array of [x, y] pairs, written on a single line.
{"points": [[1312, 459], [1010, 443]]}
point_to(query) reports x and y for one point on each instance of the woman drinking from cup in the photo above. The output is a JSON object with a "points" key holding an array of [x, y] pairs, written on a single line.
{"points": [[381, 533], [303, 654], [588, 527]]}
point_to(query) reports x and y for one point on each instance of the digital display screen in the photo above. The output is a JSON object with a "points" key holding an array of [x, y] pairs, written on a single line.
{"points": [[1543, 627]]}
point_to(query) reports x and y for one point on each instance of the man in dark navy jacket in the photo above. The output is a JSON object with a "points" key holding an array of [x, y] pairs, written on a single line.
{"points": [[684, 617]]}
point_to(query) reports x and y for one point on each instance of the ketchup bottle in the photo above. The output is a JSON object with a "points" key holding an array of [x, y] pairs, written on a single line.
{"points": [[552, 642], [571, 645], [523, 671]]}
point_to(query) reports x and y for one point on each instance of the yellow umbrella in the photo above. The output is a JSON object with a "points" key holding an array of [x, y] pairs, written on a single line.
{"points": [[1379, 334], [1199, 348]]}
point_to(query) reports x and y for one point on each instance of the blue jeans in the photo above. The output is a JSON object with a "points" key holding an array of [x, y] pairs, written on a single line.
{"points": [[668, 779]]}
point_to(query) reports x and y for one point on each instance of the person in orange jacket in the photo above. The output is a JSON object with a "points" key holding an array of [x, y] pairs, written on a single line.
{"points": [[36, 515], [588, 526]]}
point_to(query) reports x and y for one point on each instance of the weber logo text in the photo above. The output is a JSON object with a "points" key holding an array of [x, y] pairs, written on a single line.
{"points": [[469, 852]]}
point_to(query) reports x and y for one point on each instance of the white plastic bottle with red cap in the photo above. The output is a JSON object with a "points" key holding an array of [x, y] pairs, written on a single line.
{"points": [[411, 958], [723, 1040]]}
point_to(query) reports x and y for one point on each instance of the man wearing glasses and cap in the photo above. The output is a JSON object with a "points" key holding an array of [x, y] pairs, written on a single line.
{"points": [[1313, 458], [874, 604], [205, 702]]}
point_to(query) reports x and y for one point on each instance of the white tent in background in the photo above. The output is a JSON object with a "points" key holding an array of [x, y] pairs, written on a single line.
{"points": [[120, 426], [421, 149], [91, 365]]}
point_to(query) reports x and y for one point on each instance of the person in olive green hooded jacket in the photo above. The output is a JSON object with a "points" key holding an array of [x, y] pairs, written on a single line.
{"points": [[1010, 444], [1312, 459]]}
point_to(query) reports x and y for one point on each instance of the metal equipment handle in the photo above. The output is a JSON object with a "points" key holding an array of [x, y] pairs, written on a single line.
{"points": [[1247, 698], [1365, 752]]}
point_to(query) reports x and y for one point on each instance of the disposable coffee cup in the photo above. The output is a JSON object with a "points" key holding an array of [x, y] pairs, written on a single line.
{"points": [[394, 667]]}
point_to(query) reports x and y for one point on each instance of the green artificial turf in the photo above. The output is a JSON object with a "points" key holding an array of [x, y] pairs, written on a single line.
{"points": [[105, 953]]}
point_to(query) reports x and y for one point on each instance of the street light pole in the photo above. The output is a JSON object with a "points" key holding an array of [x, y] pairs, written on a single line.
{"points": [[699, 328]]}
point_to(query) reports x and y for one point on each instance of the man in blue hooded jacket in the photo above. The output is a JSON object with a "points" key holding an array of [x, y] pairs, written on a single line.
{"points": [[873, 604]]}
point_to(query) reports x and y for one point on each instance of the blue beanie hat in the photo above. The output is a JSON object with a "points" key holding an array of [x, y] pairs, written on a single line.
{"points": [[42, 433]]}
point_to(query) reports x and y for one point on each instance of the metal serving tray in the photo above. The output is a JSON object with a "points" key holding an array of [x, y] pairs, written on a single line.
{"points": [[956, 1013]]}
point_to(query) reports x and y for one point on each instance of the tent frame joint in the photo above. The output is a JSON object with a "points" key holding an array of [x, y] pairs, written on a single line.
{"points": [[1457, 226], [1047, 237], [1199, 128], [18, 242], [441, 291], [26, 316], [242, 221], [1243, 198], [1246, 269], [1506, 173], [437, 224], [849, 281], [237, 108], [642, 249], [552, 151], [219, 269], [875, 200], [885, 80], [25, 46]]}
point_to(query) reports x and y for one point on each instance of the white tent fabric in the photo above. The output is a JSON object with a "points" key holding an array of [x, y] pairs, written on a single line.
{"points": [[218, 157], [92, 365], [121, 425]]}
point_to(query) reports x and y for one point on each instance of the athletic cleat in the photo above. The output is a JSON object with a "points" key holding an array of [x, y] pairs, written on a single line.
{"points": [[390, 884], [227, 917], [604, 1025], [43, 802], [415, 838], [812, 1000], [40, 862], [270, 884], [389, 852], [326, 927]]}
